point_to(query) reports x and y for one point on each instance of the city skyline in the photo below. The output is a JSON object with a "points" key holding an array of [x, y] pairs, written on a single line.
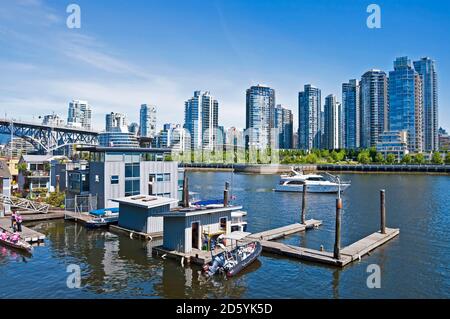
{"points": [[112, 79]]}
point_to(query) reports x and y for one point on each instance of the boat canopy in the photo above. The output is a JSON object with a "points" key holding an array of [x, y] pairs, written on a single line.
{"points": [[208, 202], [237, 235], [101, 212]]}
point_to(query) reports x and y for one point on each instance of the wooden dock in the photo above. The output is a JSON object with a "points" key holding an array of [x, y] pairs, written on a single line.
{"points": [[196, 256], [135, 234], [285, 230], [81, 218], [348, 254], [28, 234]]}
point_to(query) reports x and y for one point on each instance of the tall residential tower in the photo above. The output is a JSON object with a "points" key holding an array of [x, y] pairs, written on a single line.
{"points": [[427, 70], [374, 107], [351, 109], [309, 118], [260, 105]]}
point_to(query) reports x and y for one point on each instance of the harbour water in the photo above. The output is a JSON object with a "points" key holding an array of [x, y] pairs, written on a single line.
{"points": [[414, 265]]}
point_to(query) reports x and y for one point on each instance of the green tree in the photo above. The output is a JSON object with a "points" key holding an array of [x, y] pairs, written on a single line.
{"points": [[372, 153], [447, 158], [379, 158], [437, 158], [22, 167], [325, 153], [341, 155], [407, 159], [311, 158], [390, 159], [334, 156], [419, 159], [56, 199], [364, 157]]}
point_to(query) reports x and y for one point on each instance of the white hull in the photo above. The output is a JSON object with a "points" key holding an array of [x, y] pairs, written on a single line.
{"points": [[333, 188]]}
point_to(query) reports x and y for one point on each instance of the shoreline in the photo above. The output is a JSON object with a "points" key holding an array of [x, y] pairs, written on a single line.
{"points": [[269, 169]]}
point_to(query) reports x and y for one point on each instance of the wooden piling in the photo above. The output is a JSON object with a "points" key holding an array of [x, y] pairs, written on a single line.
{"points": [[303, 205], [383, 211], [185, 191], [337, 241], [225, 194]]}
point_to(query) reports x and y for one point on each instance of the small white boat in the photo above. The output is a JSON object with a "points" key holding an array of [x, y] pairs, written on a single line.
{"points": [[238, 222], [315, 183]]}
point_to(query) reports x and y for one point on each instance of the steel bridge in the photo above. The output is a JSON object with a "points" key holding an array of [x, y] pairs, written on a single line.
{"points": [[48, 138]]}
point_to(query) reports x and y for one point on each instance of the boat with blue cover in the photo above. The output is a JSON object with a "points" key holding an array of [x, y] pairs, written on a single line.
{"points": [[104, 218]]}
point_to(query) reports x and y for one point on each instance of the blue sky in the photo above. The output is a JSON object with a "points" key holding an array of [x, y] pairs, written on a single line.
{"points": [[158, 52]]}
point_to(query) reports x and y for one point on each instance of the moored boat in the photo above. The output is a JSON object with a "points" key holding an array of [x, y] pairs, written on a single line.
{"points": [[20, 244], [314, 183], [232, 261], [100, 222], [104, 218]]}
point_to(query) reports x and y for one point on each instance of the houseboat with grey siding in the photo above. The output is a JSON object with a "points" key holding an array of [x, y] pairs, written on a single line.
{"points": [[187, 229], [141, 213], [116, 172]]}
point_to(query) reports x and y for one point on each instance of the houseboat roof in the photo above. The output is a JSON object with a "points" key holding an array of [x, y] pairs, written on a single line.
{"points": [[102, 149], [41, 158], [145, 201], [196, 211]]}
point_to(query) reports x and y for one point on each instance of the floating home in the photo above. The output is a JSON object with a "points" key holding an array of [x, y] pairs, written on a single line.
{"points": [[117, 172], [189, 229], [140, 213]]}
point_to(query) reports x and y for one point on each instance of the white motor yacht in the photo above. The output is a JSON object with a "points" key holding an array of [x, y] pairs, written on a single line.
{"points": [[315, 183]]}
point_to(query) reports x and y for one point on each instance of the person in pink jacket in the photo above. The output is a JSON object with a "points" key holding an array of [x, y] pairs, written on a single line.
{"points": [[15, 237], [4, 236]]}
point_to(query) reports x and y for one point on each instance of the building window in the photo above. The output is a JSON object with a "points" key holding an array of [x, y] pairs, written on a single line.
{"points": [[114, 179], [159, 177], [132, 179], [166, 177], [151, 178], [223, 223]]}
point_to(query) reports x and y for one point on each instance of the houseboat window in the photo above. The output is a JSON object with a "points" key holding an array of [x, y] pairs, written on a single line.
{"points": [[132, 187], [223, 223], [114, 179]]}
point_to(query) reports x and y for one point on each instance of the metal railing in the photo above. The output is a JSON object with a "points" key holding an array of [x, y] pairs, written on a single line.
{"points": [[24, 204]]}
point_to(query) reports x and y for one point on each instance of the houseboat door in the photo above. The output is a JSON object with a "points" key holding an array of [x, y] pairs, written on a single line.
{"points": [[195, 234]]}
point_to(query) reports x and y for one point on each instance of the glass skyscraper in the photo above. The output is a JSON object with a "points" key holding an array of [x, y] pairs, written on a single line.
{"points": [[309, 118], [147, 123], [201, 114], [260, 104], [284, 126], [351, 109], [332, 118], [405, 102], [427, 70], [79, 115], [374, 107], [210, 121]]}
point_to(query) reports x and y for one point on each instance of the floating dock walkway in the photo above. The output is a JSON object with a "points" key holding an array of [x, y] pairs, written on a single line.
{"points": [[81, 218], [348, 254], [284, 231]]}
